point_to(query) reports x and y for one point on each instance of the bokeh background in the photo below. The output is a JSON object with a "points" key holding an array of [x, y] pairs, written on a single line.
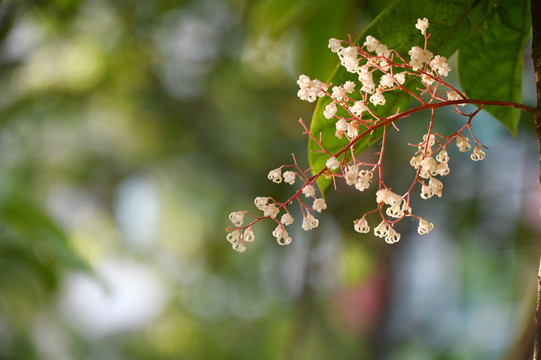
{"points": [[129, 130]]}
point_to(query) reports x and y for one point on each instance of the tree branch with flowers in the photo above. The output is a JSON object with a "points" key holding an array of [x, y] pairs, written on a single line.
{"points": [[398, 67]]}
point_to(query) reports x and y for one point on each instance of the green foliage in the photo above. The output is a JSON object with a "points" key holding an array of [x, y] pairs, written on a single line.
{"points": [[451, 23], [490, 62]]}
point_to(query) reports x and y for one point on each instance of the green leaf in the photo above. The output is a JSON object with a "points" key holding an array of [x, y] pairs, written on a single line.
{"points": [[490, 62], [451, 23]]}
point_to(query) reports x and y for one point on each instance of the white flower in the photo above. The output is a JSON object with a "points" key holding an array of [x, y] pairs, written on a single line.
{"points": [[392, 236], [381, 230], [383, 50], [377, 98], [400, 78], [287, 219], [463, 143], [426, 192], [234, 236], [452, 95], [361, 226], [439, 64], [395, 211], [349, 59], [371, 43], [332, 163], [358, 108], [248, 235], [386, 81], [341, 125], [270, 210], [352, 175], [388, 197], [310, 89], [309, 222], [309, 191], [424, 226], [477, 154], [237, 217], [289, 177], [260, 202], [330, 110], [239, 247], [363, 181], [422, 24], [443, 169], [349, 87], [419, 57], [319, 205], [436, 186], [338, 93], [276, 175], [353, 131], [442, 156], [281, 235], [335, 45]]}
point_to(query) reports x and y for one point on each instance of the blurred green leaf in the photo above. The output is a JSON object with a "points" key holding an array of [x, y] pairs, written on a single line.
{"points": [[32, 225], [490, 62], [451, 23]]}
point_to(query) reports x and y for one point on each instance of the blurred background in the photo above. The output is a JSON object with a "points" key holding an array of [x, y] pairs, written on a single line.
{"points": [[129, 130]]}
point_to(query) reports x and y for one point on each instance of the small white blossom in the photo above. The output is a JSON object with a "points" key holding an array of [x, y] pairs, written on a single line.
{"points": [[287, 219], [442, 156], [426, 192], [332, 163], [377, 98], [281, 235], [371, 43], [424, 226], [388, 197], [330, 110], [270, 210], [358, 108], [289, 177], [260, 202], [239, 247], [319, 205], [443, 169], [392, 236], [422, 24], [400, 78], [387, 81], [463, 143], [361, 226], [439, 64], [237, 217], [349, 87], [310, 89], [338, 93], [353, 130], [383, 50], [452, 95], [248, 235], [234, 236], [335, 45], [309, 222], [348, 58], [352, 175], [395, 211], [381, 230], [309, 191], [276, 175], [419, 57], [477, 154]]}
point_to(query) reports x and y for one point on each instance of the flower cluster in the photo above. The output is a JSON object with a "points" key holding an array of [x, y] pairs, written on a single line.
{"points": [[352, 108]]}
